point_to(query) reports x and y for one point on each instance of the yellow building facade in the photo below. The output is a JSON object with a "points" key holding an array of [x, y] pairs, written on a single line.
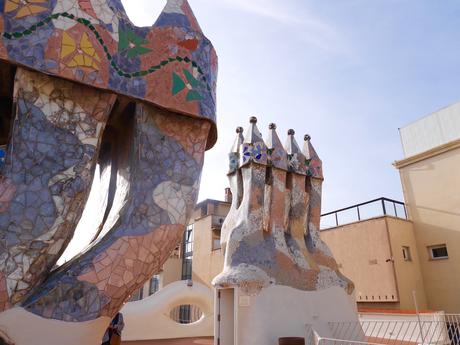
{"points": [[430, 176], [380, 256]]}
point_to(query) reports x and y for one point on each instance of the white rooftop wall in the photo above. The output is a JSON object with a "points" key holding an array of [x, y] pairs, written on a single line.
{"points": [[434, 130]]}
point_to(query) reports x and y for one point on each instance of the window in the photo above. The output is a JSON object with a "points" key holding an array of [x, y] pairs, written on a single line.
{"points": [[187, 253], [176, 252], [154, 284], [137, 296], [438, 252], [406, 253], [215, 239], [187, 268], [186, 314], [188, 241]]}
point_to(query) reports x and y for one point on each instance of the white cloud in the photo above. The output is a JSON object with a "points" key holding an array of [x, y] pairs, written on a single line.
{"points": [[265, 9], [309, 27]]}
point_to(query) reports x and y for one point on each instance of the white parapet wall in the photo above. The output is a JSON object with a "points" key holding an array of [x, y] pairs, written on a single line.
{"points": [[149, 319], [395, 328], [281, 311], [425, 328], [431, 131]]}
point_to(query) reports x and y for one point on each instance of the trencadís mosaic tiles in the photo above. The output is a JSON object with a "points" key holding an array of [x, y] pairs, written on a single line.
{"points": [[271, 234], [171, 64]]}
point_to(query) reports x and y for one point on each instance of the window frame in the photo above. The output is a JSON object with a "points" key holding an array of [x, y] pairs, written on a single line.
{"points": [[407, 254], [215, 240], [187, 252], [189, 237], [438, 246], [138, 295], [156, 279]]}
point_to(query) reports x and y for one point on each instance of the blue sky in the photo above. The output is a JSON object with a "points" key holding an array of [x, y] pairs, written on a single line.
{"points": [[348, 72]]}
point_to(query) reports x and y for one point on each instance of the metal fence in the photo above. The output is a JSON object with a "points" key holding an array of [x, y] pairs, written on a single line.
{"points": [[426, 329], [363, 211]]}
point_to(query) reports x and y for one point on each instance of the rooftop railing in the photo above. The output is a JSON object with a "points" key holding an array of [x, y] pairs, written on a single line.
{"points": [[424, 329], [371, 209]]}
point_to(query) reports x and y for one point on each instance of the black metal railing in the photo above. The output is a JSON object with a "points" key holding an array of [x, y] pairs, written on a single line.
{"points": [[363, 211]]}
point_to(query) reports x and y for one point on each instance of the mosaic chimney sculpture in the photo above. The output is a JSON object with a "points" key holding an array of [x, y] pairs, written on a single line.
{"points": [[84, 85], [276, 262]]}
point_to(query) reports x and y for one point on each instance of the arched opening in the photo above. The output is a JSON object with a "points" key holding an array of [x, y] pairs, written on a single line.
{"points": [[186, 314]]}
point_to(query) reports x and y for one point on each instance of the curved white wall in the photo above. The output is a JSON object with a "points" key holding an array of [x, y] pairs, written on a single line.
{"points": [[149, 319], [281, 311]]}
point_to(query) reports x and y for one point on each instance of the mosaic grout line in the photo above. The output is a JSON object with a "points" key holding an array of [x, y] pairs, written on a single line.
{"points": [[87, 23]]}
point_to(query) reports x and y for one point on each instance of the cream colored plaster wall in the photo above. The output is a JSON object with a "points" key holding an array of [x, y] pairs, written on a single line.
{"points": [[207, 263], [172, 271], [432, 193], [408, 273], [362, 250], [150, 318], [281, 311], [24, 328]]}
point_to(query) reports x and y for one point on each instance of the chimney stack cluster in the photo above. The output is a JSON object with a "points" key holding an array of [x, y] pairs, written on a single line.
{"points": [[251, 147]]}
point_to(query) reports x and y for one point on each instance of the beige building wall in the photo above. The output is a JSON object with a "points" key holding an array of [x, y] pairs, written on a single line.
{"points": [[208, 260], [172, 271], [370, 254], [431, 185], [408, 270]]}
